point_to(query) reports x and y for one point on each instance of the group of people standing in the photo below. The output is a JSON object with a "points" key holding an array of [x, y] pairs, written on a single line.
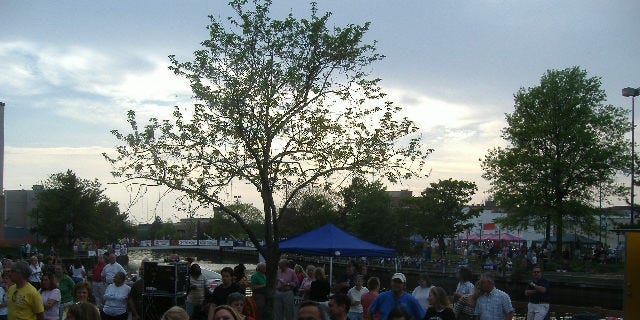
{"points": [[481, 301]]}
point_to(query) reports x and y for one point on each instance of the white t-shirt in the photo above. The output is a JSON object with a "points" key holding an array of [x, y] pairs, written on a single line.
{"points": [[422, 294], [52, 313], [36, 272], [77, 272], [115, 299], [110, 270], [465, 288], [355, 295]]}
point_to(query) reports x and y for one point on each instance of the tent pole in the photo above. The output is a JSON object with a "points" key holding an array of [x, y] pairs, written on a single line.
{"points": [[331, 271]]}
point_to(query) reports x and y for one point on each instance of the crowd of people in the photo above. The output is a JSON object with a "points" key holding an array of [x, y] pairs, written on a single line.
{"points": [[33, 289]]}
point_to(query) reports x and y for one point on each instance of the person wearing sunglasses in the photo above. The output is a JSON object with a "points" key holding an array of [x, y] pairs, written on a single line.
{"points": [[539, 298], [24, 300]]}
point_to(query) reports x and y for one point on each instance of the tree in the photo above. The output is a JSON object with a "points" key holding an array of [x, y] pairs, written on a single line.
{"points": [[440, 210], [565, 147], [70, 208], [282, 104], [309, 210]]}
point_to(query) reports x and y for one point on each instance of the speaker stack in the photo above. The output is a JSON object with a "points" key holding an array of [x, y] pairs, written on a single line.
{"points": [[165, 285]]}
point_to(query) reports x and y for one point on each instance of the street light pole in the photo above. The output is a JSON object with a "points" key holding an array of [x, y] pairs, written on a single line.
{"points": [[633, 93]]}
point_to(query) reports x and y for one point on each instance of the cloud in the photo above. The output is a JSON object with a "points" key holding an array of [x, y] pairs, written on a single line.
{"points": [[84, 84]]}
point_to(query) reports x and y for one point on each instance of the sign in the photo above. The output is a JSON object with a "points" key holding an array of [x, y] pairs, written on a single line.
{"points": [[161, 243], [187, 242]]}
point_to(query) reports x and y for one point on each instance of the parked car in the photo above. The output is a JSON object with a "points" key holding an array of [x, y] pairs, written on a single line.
{"points": [[213, 279]]}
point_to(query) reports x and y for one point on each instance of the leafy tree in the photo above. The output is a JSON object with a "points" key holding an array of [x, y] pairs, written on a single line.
{"points": [[283, 104], [70, 208], [371, 214], [311, 209], [565, 147], [440, 210]]}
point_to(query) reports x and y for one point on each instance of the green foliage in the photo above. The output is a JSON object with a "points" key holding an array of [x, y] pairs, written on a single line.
{"points": [[70, 208], [565, 147], [440, 210], [281, 105], [309, 210]]}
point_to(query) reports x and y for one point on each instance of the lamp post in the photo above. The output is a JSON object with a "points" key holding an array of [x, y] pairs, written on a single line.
{"points": [[633, 93]]}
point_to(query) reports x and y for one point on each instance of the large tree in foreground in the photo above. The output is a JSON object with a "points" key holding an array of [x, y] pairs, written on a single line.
{"points": [[565, 147], [282, 104], [69, 208]]}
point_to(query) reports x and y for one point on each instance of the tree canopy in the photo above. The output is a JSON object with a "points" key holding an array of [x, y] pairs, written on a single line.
{"points": [[70, 208], [565, 147], [282, 104], [441, 211]]}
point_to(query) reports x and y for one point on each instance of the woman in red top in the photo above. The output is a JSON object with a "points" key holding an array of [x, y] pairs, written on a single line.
{"points": [[366, 299], [236, 301]]}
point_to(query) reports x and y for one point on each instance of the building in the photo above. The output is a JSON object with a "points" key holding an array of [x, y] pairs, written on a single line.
{"points": [[18, 222]]}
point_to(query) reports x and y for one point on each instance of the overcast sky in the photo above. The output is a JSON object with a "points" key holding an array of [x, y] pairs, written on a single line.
{"points": [[69, 71]]}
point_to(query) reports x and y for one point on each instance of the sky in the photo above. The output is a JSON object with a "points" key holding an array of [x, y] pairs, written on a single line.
{"points": [[70, 70]]}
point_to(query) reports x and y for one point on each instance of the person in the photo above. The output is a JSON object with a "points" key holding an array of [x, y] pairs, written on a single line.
{"points": [[3, 297], [464, 308], [83, 311], [398, 313], [300, 275], [195, 296], [97, 281], [364, 272], [236, 301], [305, 284], [493, 303], [82, 292], [258, 283], [286, 281], [50, 295], [464, 287], [24, 300], [175, 313], [116, 299], [221, 292], [36, 272], [439, 306], [136, 294], [311, 310], [77, 271], [111, 268], [339, 304], [65, 284], [347, 281], [421, 292], [355, 295], [539, 298], [373, 285], [319, 289], [386, 301], [225, 312], [240, 277]]}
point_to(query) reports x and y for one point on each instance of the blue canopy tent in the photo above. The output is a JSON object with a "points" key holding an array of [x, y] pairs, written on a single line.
{"points": [[331, 241]]}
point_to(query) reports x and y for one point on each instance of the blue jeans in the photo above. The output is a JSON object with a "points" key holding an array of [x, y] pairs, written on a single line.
{"points": [[354, 316]]}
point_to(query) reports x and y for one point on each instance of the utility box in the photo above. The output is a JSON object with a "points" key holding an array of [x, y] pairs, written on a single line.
{"points": [[632, 275]]}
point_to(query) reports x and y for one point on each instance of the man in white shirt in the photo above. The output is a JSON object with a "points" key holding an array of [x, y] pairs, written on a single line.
{"points": [[111, 268]]}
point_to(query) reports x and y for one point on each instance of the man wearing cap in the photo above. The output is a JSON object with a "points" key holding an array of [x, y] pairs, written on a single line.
{"points": [[24, 300], [397, 297]]}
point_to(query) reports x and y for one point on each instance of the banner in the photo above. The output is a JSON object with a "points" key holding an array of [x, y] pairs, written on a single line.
{"points": [[161, 243], [187, 242], [209, 243], [145, 243], [489, 226]]}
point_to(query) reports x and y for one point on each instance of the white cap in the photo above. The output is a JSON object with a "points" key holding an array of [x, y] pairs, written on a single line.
{"points": [[400, 277]]}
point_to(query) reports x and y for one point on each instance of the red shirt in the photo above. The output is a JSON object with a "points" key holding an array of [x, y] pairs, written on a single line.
{"points": [[97, 270]]}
